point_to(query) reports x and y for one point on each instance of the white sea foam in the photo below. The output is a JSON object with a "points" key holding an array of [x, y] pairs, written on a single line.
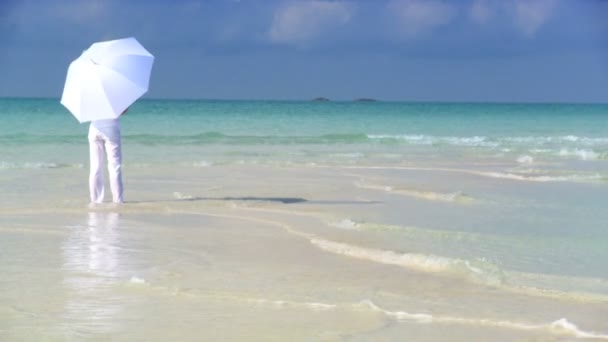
{"points": [[504, 175], [398, 315], [347, 155], [180, 196], [474, 141], [519, 177], [481, 272], [345, 224], [390, 155], [540, 150], [315, 306], [456, 196], [543, 140], [539, 144], [137, 280], [578, 153], [38, 165], [563, 326], [202, 163], [560, 327], [413, 139], [363, 185], [350, 224], [525, 159]]}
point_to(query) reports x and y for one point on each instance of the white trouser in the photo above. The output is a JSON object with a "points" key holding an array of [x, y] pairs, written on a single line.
{"points": [[101, 144]]}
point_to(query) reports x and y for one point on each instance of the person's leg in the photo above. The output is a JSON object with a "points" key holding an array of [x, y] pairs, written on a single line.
{"points": [[113, 149], [96, 178]]}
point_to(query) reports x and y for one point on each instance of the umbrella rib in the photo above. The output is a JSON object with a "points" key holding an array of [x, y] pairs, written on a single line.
{"points": [[123, 78]]}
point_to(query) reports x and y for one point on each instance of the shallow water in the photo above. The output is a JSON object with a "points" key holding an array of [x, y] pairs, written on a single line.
{"points": [[309, 221]]}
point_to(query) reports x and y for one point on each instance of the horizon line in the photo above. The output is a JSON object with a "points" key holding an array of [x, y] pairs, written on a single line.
{"points": [[327, 99]]}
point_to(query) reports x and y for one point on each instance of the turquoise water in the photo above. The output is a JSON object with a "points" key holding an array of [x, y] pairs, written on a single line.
{"points": [[273, 122], [527, 131], [540, 207]]}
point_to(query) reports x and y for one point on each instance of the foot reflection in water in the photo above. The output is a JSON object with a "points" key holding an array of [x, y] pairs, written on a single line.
{"points": [[91, 267]]}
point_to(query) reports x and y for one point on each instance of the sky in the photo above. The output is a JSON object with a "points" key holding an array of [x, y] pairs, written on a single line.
{"points": [[394, 50]]}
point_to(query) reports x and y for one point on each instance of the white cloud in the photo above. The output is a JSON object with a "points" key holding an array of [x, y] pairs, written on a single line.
{"points": [[482, 11], [302, 21], [420, 16], [530, 15]]}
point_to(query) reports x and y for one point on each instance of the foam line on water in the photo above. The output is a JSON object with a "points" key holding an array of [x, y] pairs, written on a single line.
{"points": [[493, 174], [528, 178], [561, 326], [489, 142], [482, 272], [477, 271], [525, 159], [581, 154], [38, 165], [453, 197]]}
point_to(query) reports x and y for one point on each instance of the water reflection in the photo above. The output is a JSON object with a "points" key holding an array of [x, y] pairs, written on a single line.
{"points": [[92, 259]]}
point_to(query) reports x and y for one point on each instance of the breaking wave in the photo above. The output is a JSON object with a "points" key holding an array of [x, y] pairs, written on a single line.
{"points": [[38, 165]]}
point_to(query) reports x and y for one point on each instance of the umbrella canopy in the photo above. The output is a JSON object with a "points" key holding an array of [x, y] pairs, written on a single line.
{"points": [[106, 79]]}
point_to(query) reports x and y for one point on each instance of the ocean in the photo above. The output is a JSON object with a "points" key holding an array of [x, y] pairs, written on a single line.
{"points": [[410, 220], [509, 132]]}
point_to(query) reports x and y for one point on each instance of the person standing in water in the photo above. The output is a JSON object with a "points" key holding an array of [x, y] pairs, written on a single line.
{"points": [[104, 142]]}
